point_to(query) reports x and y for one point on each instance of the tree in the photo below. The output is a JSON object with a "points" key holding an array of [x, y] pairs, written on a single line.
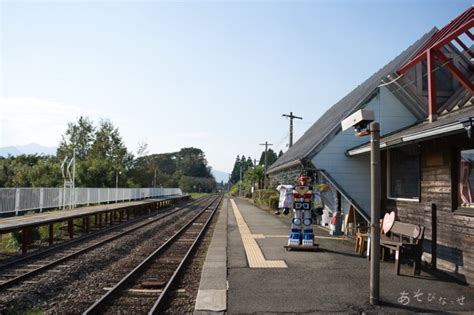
{"points": [[171, 168], [235, 174], [249, 163], [192, 162], [101, 155], [108, 157], [197, 184], [46, 172], [255, 175], [79, 136], [142, 149], [280, 153], [29, 171], [271, 157]]}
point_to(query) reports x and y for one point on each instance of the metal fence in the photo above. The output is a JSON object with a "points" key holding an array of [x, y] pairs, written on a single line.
{"points": [[24, 199]]}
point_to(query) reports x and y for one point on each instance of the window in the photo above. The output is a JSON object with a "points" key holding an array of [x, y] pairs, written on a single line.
{"points": [[403, 178], [466, 179]]}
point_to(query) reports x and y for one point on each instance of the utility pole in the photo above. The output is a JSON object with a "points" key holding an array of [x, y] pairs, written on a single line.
{"points": [[291, 116], [266, 144], [240, 182]]}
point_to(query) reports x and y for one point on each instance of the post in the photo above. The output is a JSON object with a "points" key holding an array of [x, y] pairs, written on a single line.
{"points": [[17, 200], [116, 187], [291, 116], [266, 159], [434, 236], [25, 239], [375, 212], [60, 199], [74, 199], [266, 144], [41, 204], [240, 182], [51, 233], [432, 115]]}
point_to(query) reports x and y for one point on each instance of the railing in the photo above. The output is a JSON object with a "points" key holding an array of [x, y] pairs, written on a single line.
{"points": [[40, 198]]}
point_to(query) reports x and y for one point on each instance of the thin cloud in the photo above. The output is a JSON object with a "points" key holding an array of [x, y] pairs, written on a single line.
{"points": [[35, 120]]}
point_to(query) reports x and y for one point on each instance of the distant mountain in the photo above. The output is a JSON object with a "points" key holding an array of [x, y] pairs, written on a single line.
{"points": [[220, 176], [32, 148]]}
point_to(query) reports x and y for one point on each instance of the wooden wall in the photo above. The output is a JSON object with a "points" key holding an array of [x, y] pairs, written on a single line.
{"points": [[455, 229]]}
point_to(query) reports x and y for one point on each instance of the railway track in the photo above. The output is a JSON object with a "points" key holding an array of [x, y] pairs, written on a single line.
{"points": [[22, 269], [146, 287]]}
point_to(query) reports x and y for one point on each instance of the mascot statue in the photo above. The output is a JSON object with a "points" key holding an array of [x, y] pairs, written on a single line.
{"points": [[302, 236]]}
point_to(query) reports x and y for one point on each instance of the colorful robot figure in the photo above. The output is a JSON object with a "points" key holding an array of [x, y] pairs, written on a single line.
{"points": [[302, 205]]}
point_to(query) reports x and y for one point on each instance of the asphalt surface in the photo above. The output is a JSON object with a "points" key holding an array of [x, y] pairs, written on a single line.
{"points": [[333, 280]]}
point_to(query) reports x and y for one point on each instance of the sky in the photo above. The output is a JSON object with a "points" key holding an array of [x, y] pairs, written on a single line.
{"points": [[216, 75]]}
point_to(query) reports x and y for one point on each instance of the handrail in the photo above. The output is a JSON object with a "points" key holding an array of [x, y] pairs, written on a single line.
{"points": [[344, 194]]}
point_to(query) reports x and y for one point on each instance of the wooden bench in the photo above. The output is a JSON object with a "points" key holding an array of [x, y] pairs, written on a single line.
{"points": [[407, 241]]}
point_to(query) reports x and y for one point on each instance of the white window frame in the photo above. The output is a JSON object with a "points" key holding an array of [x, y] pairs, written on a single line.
{"points": [[389, 186]]}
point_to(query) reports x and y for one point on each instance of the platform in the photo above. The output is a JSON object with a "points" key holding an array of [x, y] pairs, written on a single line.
{"points": [[38, 219], [262, 277]]}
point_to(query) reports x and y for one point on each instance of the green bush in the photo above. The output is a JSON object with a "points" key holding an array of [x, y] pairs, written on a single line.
{"points": [[273, 202], [10, 243], [234, 190], [262, 197]]}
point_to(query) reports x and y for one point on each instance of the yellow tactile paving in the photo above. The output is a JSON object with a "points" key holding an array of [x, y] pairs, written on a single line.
{"points": [[252, 250]]}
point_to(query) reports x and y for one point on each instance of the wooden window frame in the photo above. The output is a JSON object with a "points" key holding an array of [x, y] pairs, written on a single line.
{"points": [[389, 197], [456, 159]]}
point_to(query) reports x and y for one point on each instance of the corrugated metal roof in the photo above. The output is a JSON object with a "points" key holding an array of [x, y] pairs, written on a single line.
{"points": [[326, 126]]}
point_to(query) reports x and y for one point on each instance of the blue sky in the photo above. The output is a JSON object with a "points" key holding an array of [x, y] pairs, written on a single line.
{"points": [[213, 75]]}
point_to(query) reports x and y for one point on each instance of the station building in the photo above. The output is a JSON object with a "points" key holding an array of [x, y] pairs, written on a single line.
{"points": [[423, 101]]}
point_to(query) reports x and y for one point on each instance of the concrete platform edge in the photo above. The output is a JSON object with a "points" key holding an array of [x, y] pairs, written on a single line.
{"points": [[212, 293]]}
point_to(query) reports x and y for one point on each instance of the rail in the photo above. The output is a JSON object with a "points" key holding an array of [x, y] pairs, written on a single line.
{"points": [[39, 198], [19, 269], [115, 292]]}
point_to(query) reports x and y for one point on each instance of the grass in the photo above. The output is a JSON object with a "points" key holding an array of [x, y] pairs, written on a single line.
{"points": [[198, 195], [11, 242]]}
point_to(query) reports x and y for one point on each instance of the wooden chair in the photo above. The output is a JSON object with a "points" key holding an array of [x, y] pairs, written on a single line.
{"points": [[361, 242]]}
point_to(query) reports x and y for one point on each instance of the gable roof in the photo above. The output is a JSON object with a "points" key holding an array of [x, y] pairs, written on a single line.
{"points": [[326, 126], [447, 123]]}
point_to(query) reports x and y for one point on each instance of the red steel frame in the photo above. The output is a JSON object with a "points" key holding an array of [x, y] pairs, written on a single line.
{"points": [[432, 49]]}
